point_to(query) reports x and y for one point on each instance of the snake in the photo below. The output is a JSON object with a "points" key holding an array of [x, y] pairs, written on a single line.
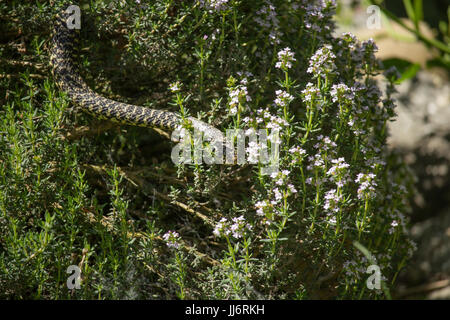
{"points": [[67, 77]]}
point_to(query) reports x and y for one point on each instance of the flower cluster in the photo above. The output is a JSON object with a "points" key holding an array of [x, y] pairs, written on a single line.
{"points": [[352, 269], [338, 172], [285, 59], [348, 41], [265, 117], [349, 46], [214, 5], [175, 87], [341, 93], [392, 74], [367, 185], [357, 267], [297, 153], [310, 93], [237, 227], [324, 143], [282, 178], [332, 201], [172, 239], [282, 189], [322, 63], [317, 12], [255, 150], [358, 55], [238, 95], [283, 98], [244, 75], [367, 53], [315, 162], [262, 208], [266, 17]]}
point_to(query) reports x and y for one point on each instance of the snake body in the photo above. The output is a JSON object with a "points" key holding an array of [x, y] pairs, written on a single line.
{"points": [[67, 77]]}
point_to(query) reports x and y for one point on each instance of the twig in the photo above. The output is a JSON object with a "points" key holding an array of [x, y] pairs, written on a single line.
{"points": [[36, 65], [106, 222], [140, 183], [11, 76], [84, 131], [424, 288]]}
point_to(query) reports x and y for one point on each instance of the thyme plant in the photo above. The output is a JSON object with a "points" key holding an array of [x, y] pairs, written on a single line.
{"points": [[110, 200]]}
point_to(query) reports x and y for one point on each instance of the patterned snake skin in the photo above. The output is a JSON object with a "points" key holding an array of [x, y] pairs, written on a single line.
{"points": [[66, 74]]}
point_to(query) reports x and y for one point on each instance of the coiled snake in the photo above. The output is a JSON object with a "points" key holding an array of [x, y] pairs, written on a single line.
{"points": [[69, 80]]}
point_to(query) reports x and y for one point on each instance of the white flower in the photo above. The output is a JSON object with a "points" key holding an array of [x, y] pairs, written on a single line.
{"points": [[172, 239], [292, 188], [175, 87], [260, 206], [277, 194], [332, 200], [340, 92], [237, 227], [310, 93], [214, 5], [367, 185], [322, 62], [283, 98], [253, 152], [285, 59]]}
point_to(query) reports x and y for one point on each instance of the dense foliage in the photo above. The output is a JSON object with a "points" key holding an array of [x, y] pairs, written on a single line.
{"points": [[75, 190]]}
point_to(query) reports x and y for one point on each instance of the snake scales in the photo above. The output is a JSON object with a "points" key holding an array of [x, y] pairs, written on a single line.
{"points": [[65, 72]]}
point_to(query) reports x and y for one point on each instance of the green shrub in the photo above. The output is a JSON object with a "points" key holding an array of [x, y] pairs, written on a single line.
{"points": [[78, 191]]}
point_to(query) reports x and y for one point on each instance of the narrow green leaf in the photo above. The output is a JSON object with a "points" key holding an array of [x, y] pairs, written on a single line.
{"points": [[418, 9], [409, 73], [415, 12], [409, 10]]}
